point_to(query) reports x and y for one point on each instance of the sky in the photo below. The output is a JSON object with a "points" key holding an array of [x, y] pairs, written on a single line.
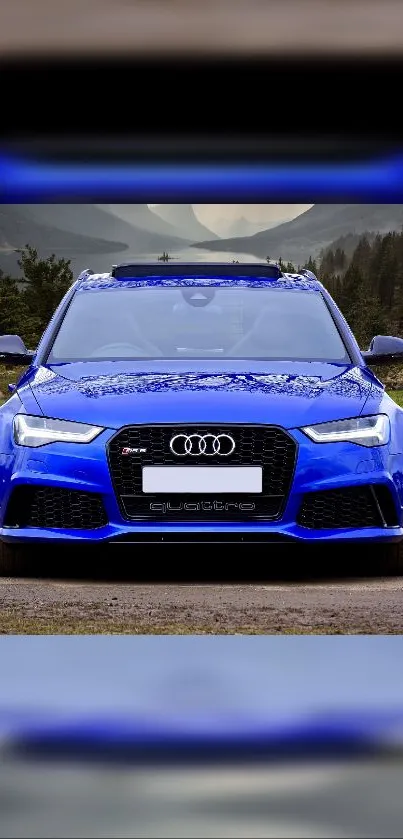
{"points": [[212, 214], [254, 212]]}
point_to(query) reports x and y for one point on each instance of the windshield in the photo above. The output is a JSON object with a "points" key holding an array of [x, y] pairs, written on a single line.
{"points": [[198, 322]]}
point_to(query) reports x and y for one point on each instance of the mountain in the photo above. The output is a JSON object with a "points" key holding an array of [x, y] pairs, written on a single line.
{"points": [[244, 227], [19, 228], [313, 230], [139, 215], [84, 233], [97, 220], [347, 243], [183, 219]]}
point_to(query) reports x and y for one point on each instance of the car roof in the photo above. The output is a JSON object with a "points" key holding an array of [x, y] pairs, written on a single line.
{"points": [[199, 274]]}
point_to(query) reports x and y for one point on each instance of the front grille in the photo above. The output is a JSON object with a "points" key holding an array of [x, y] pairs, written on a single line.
{"points": [[54, 507], [267, 446], [350, 507]]}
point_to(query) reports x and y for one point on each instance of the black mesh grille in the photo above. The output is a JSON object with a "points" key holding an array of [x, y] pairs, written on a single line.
{"points": [[46, 507], [339, 508], [270, 447]]}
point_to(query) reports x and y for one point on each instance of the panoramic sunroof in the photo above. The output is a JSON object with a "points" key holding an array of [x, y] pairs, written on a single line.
{"points": [[214, 269]]}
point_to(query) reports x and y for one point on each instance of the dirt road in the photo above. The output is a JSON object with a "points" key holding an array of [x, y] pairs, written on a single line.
{"points": [[115, 604]]}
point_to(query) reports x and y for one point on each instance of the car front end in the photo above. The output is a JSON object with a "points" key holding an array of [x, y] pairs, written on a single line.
{"points": [[69, 480], [201, 450]]}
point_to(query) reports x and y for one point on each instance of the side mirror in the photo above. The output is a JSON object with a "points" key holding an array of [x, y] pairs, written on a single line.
{"points": [[384, 349], [14, 351]]}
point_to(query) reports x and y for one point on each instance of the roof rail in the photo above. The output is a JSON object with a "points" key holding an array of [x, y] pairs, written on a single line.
{"points": [[128, 270], [88, 272], [304, 272]]}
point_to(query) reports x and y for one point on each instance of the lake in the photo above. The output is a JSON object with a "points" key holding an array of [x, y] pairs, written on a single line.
{"points": [[102, 262], [190, 255]]}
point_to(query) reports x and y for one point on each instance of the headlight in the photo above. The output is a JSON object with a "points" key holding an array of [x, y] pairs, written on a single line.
{"points": [[365, 431], [37, 431]]}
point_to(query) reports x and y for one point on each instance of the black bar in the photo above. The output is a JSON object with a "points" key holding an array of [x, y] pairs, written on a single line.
{"points": [[296, 96], [196, 269]]}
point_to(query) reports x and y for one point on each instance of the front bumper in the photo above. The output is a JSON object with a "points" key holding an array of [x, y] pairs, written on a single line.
{"points": [[319, 467]]}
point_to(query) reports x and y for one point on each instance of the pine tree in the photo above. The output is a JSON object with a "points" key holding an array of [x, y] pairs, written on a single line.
{"points": [[388, 266], [45, 283], [311, 266], [361, 258], [340, 260], [330, 281], [327, 264], [361, 307], [11, 314]]}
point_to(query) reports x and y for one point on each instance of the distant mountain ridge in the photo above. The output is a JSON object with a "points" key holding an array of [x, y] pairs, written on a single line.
{"points": [[347, 243], [244, 227], [97, 220], [142, 217], [307, 234], [34, 224], [87, 234], [184, 220], [18, 229]]}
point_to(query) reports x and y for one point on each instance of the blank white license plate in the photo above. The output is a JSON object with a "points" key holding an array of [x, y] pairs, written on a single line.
{"points": [[202, 479]]}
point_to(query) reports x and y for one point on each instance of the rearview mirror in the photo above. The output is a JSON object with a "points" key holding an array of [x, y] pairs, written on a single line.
{"points": [[384, 349], [14, 351]]}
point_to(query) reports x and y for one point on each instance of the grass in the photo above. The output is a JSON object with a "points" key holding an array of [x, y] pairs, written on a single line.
{"points": [[8, 375], [61, 624], [397, 396]]}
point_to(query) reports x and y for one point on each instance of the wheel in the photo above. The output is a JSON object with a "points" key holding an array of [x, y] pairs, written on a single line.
{"points": [[389, 559], [14, 560]]}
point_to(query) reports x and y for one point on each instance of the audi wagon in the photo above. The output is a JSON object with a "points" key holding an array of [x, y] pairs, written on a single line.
{"points": [[197, 403]]}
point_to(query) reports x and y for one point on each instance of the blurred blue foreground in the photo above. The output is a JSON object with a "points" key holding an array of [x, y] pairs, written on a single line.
{"points": [[201, 736], [206, 691]]}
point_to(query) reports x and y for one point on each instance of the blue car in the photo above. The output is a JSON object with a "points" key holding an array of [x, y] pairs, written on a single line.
{"points": [[214, 403]]}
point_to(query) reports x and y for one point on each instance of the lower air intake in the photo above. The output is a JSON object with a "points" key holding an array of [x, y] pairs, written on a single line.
{"points": [[349, 507], [53, 507]]}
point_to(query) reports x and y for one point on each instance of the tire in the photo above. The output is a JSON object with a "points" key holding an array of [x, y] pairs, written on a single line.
{"points": [[14, 560], [389, 559]]}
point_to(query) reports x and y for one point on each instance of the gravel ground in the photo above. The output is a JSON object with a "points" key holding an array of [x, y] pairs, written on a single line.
{"points": [[286, 602]]}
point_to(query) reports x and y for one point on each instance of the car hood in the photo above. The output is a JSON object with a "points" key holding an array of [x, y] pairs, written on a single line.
{"points": [[113, 394]]}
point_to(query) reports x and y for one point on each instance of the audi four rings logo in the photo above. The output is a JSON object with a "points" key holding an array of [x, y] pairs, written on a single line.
{"points": [[202, 444]]}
